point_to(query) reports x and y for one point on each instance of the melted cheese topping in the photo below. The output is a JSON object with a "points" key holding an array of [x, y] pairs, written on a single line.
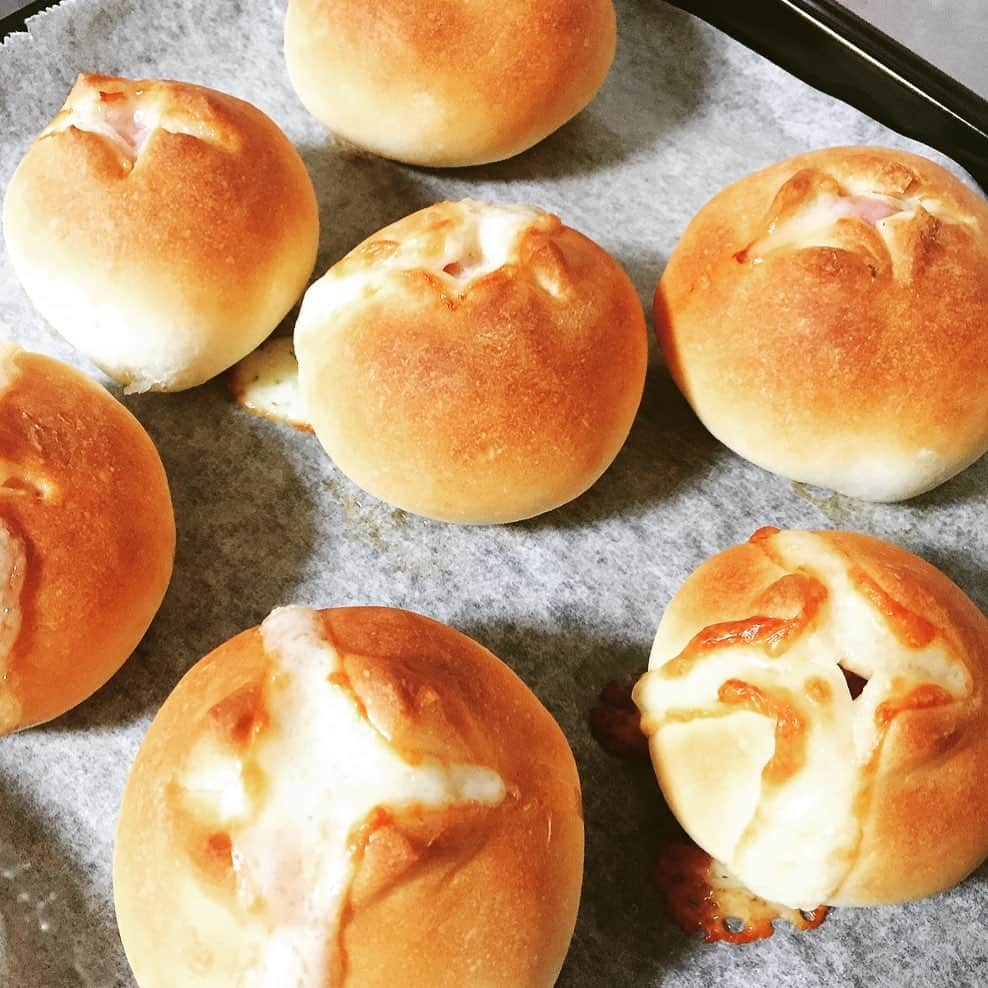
{"points": [[117, 113], [127, 115], [455, 243], [325, 769], [12, 566], [265, 383], [816, 225], [818, 222], [790, 837]]}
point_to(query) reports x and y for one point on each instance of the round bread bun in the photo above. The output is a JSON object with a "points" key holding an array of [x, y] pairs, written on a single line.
{"points": [[826, 319], [356, 796], [816, 713], [162, 228], [473, 363], [446, 84], [87, 537]]}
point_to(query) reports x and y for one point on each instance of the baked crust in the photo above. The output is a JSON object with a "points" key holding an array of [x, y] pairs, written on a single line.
{"points": [[442, 84], [481, 892], [820, 795], [162, 228], [473, 363], [825, 318], [83, 491]]}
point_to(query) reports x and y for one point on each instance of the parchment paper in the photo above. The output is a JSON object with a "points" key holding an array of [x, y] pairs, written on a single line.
{"points": [[570, 600]]}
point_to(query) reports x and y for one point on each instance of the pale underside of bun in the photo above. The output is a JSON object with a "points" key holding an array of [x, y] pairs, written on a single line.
{"points": [[825, 318], [808, 790], [87, 537], [473, 363], [433, 83], [164, 229], [339, 805]]}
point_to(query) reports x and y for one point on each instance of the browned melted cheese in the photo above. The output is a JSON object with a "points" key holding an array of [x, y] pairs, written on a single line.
{"points": [[920, 698], [790, 727], [912, 629], [615, 723], [702, 898], [241, 716], [773, 634]]}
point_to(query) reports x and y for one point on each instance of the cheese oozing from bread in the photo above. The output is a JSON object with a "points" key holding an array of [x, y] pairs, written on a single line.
{"points": [[765, 756], [484, 238], [813, 210], [118, 115], [294, 807]]}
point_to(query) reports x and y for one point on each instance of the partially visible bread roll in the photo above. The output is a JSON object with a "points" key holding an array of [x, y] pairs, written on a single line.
{"points": [[87, 537], [162, 228], [359, 796], [826, 319], [817, 717], [443, 84], [473, 363]]}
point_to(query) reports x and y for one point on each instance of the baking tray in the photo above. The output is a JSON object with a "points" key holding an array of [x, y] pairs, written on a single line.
{"points": [[570, 600]]}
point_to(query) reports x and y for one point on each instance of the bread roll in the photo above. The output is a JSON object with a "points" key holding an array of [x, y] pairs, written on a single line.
{"points": [[87, 537], [816, 712], [826, 319], [473, 363], [358, 796], [162, 228], [443, 84]]}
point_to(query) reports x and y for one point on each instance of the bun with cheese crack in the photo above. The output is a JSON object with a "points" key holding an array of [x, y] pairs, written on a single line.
{"points": [[817, 718], [358, 796], [473, 363], [163, 229], [825, 318], [444, 84], [87, 537]]}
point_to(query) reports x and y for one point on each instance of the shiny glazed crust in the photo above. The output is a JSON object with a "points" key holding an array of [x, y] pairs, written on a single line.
{"points": [[83, 490], [447, 896], [163, 228], [914, 742], [848, 353], [476, 399], [443, 84]]}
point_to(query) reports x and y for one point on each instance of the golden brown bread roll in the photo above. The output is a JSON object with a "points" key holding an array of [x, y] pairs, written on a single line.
{"points": [[816, 712], [473, 363], [357, 796], [87, 537], [826, 318], [437, 83], [162, 228]]}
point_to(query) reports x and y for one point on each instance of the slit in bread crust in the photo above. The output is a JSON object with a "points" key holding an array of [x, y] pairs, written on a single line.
{"points": [[13, 562]]}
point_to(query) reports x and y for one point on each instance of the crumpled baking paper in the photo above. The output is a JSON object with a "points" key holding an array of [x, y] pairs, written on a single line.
{"points": [[570, 600]]}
